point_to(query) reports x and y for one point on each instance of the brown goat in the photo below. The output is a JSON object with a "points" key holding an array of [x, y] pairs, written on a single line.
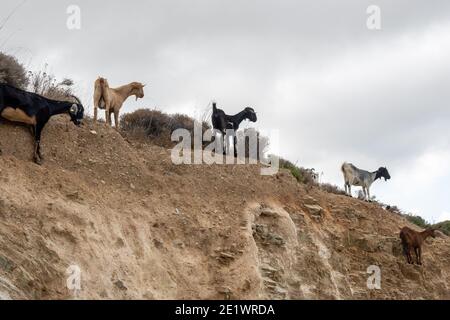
{"points": [[112, 99], [413, 240]]}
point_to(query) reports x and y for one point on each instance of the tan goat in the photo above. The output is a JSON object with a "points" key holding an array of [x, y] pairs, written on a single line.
{"points": [[112, 99]]}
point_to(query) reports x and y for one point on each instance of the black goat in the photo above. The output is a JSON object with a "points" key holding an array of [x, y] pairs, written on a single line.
{"points": [[17, 105], [222, 122]]}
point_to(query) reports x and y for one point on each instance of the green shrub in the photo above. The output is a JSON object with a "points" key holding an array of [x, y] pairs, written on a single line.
{"points": [[417, 220], [443, 226], [300, 174]]}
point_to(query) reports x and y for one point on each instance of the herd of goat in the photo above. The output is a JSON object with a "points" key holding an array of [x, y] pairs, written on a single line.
{"points": [[31, 109]]}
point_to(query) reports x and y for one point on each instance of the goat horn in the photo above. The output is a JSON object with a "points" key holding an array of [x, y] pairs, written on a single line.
{"points": [[76, 98]]}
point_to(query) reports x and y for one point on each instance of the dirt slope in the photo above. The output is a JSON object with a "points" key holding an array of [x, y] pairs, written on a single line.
{"points": [[140, 227]]}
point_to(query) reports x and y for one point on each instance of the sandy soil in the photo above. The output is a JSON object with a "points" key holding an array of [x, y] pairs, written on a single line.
{"points": [[139, 227]]}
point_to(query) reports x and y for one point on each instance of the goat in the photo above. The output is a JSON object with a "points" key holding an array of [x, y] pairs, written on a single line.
{"points": [[17, 105], [357, 177], [112, 99], [223, 122], [314, 175], [413, 240]]}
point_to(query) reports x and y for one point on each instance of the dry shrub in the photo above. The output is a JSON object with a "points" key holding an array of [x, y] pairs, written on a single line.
{"points": [[46, 85], [12, 72], [331, 188], [41, 82], [393, 209], [156, 126]]}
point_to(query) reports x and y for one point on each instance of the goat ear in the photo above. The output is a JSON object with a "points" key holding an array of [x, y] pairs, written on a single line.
{"points": [[73, 109]]}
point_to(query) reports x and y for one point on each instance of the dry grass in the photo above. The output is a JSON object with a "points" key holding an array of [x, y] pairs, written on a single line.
{"points": [[46, 85], [331, 188]]}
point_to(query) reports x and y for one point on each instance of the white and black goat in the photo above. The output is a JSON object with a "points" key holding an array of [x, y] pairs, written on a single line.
{"points": [[357, 177]]}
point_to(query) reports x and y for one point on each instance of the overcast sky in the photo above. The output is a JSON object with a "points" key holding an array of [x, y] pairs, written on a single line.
{"points": [[334, 89]]}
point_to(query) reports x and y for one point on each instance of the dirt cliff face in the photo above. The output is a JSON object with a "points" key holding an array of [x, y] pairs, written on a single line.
{"points": [[139, 227]]}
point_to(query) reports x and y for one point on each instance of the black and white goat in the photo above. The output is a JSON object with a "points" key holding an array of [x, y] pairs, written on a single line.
{"points": [[223, 122], [17, 105], [357, 177]]}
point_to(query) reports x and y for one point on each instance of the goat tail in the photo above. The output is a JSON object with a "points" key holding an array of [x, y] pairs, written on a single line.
{"points": [[101, 84], [100, 92]]}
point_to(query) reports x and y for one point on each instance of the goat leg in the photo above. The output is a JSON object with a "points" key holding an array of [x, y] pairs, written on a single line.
{"points": [[419, 255], [107, 117], [37, 144], [225, 144], [38, 151], [407, 252], [116, 118], [409, 256], [366, 193], [37, 159], [95, 114]]}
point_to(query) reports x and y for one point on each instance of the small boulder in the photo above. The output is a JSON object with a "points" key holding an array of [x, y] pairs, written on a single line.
{"points": [[119, 284], [316, 211], [440, 234]]}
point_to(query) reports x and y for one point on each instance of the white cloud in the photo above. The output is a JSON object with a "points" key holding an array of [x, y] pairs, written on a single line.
{"points": [[445, 216]]}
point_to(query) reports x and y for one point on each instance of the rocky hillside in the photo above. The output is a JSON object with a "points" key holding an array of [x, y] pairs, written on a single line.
{"points": [[140, 227]]}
